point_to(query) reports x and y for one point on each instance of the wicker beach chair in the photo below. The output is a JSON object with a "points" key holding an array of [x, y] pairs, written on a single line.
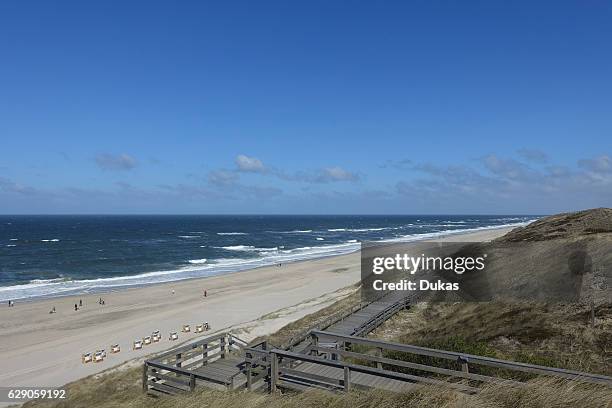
{"points": [[86, 358], [115, 348], [99, 356], [199, 328], [137, 345], [186, 328], [173, 336], [146, 340], [155, 336]]}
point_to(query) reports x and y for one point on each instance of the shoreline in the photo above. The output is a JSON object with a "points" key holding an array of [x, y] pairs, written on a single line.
{"points": [[42, 349], [104, 291]]}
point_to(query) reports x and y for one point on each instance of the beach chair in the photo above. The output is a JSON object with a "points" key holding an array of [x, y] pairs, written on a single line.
{"points": [[173, 336], [137, 345], [115, 348], [146, 340], [86, 358], [155, 336], [199, 328], [99, 356], [186, 328]]}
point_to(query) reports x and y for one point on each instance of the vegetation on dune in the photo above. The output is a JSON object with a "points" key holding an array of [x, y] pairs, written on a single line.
{"points": [[122, 389], [293, 330], [553, 335]]}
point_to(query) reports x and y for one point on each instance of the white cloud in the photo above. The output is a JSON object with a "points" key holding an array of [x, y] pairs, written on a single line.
{"points": [[222, 177], [9, 186], [330, 174], [601, 164], [249, 164], [108, 161]]}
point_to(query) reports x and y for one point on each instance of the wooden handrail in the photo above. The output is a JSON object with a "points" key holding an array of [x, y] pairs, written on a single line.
{"points": [[416, 366], [470, 358], [190, 346], [331, 320], [359, 369]]}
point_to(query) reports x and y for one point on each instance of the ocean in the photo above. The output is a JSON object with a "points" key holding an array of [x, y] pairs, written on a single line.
{"points": [[45, 256]]}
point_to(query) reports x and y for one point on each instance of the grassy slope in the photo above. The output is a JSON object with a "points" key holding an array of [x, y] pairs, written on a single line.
{"points": [[553, 335], [123, 390]]}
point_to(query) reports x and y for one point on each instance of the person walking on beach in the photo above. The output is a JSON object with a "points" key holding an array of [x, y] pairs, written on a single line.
{"points": [[80, 302], [205, 293], [76, 307]]}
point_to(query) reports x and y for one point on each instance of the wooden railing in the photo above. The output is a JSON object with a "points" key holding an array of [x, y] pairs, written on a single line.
{"points": [[175, 371], [381, 317], [257, 363], [463, 360], [323, 324], [285, 369], [283, 376], [339, 317]]}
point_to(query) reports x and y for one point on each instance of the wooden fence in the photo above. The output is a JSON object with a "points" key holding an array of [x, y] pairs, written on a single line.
{"points": [[330, 363], [181, 369]]}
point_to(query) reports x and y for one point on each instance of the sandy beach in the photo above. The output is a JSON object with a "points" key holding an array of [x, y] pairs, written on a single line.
{"points": [[42, 349]]}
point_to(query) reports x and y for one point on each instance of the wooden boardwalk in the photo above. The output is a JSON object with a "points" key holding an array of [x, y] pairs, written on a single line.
{"points": [[367, 319], [223, 369], [337, 359], [358, 380], [219, 361]]}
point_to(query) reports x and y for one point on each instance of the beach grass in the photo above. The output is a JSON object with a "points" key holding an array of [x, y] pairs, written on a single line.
{"points": [[123, 389]]}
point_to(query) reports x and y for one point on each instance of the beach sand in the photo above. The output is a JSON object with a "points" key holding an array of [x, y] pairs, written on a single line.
{"points": [[39, 349]]}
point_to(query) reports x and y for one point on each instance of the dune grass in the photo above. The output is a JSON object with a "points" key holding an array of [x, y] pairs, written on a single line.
{"points": [[556, 335], [122, 389]]}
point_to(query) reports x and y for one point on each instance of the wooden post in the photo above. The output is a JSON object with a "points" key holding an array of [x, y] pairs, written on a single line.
{"points": [[340, 347], [145, 378], [178, 357], [379, 353], [315, 342], [273, 372], [347, 379], [222, 345], [204, 354], [192, 382], [249, 379], [464, 364]]}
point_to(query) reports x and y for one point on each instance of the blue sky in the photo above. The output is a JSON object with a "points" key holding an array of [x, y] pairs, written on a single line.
{"points": [[305, 107]]}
